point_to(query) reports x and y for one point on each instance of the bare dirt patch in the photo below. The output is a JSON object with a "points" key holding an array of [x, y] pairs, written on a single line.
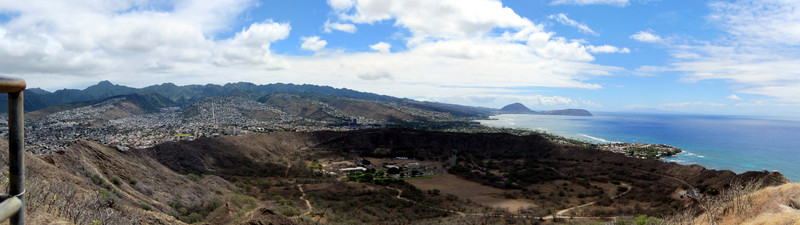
{"points": [[489, 196]]}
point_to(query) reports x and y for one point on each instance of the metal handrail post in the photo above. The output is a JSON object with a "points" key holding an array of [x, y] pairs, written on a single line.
{"points": [[16, 156], [16, 146]]}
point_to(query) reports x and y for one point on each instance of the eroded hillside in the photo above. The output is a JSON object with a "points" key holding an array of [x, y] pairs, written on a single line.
{"points": [[292, 177]]}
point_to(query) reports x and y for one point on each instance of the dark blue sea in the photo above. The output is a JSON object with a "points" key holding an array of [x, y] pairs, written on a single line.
{"points": [[737, 143]]}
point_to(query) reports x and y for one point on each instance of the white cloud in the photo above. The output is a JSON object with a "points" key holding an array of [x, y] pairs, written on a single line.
{"points": [[260, 35], [251, 46], [591, 2], [461, 29], [341, 5], [606, 49], [344, 27], [759, 22], [733, 97], [758, 54], [548, 100], [489, 98], [439, 19], [689, 104], [381, 47], [646, 36], [563, 19], [313, 43], [124, 38], [451, 43]]}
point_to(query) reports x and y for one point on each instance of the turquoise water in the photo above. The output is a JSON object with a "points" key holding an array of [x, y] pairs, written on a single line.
{"points": [[736, 143]]}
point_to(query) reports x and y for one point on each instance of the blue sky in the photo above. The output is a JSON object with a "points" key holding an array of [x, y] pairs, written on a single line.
{"points": [[716, 57]]}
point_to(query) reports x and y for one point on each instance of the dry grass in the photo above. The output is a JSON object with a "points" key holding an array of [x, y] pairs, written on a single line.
{"points": [[771, 205], [465, 189]]}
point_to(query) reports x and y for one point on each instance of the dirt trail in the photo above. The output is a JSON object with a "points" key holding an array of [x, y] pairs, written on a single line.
{"points": [[303, 197], [560, 213], [399, 196]]}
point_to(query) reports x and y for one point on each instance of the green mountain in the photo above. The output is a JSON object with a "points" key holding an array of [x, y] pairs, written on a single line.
{"points": [[353, 102], [171, 95]]}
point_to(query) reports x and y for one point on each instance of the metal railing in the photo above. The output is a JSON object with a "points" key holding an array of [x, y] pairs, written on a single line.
{"points": [[13, 203]]}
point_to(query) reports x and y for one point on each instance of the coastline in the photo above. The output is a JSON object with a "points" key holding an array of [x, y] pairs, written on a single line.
{"points": [[721, 143]]}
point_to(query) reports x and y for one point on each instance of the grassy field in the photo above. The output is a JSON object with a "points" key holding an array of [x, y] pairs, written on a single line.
{"points": [[464, 189]]}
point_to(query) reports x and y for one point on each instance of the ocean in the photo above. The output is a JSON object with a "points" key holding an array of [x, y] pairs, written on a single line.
{"points": [[737, 143]]}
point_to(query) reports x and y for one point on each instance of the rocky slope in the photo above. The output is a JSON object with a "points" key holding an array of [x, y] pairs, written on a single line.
{"points": [[219, 180]]}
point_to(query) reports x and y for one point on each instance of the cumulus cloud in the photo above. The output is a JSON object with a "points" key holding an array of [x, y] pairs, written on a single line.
{"points": [[454, 32], [124, 38], [313, 43], [646, 36], [344, 27], [251, 45], [449, 43], [591, 2], [563, 19], [341, 5], [607, 49], [733, 97], [439, 19], [381, 47], [758, 53], [549, 100]]}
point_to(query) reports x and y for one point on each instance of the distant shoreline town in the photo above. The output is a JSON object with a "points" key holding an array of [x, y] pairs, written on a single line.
{"points": [[143, 118]]}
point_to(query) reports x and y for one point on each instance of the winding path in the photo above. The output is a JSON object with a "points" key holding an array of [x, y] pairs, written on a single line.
{"points": [[303, 197], [560, 213], [399, 196]]}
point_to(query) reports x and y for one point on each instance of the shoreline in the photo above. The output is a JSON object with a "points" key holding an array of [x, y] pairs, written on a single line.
{"points": [[719, 143]]}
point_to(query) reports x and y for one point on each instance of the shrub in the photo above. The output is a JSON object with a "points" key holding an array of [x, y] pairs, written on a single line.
{"points": [[245, 202], [645, 220], [193, 218], [96, 180], [146, 206], [288, 211], [132, 181], [604, 200], [115, 180], [195, 177], [106, 198]]}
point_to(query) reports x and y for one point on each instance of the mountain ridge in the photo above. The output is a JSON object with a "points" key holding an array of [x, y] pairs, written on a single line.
{"points": [[183, 96]]}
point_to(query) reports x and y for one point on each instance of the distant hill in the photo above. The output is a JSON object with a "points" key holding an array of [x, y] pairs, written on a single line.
{"points": [[519, 108], [516, 108], [118, 106], [299, 102], [36, 98], [37, 91], [567, 112], [184, 96], [382, 107]]}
